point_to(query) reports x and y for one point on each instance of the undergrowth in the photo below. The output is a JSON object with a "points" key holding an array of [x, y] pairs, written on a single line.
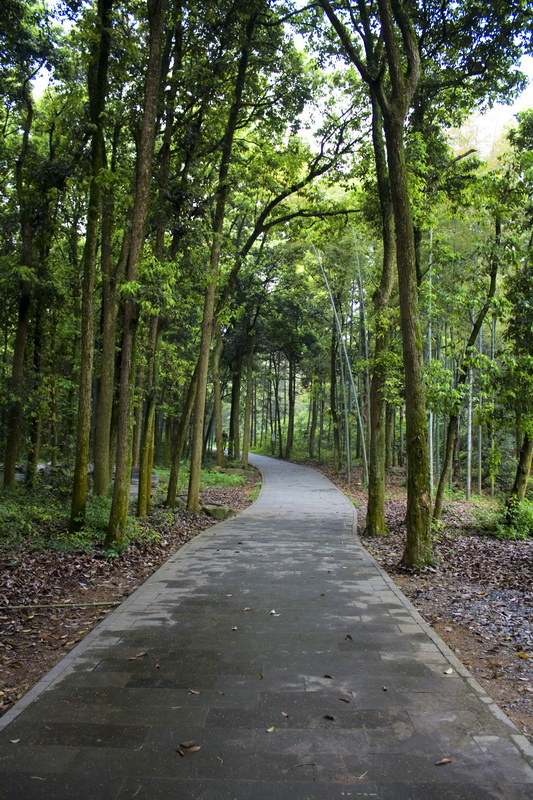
{"points": [[38, 519], [513, 521]]}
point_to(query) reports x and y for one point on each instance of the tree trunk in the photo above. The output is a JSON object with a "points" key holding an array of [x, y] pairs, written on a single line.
{"points": [[193, 499], [148, 435], [394, 90], [37, 416], [333, 403], [217, 400], [97, 83], [468, 482], [248, 400], [119, 509], [462, 374], [375, 516], [103, 463], [518, 492], [181, 435], [234, 446], [314, 418], [276, 427], [292, 402], [14, 414], [417, 551]]}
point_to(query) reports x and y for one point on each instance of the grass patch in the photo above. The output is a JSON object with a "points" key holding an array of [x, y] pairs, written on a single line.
{"points": [[256, 492]]}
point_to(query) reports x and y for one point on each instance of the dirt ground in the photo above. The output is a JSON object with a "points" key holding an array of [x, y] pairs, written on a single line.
{"points": [[478, 597]]}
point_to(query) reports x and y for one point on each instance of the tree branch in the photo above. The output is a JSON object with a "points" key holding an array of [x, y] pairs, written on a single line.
{"points": [[449, 165], [346, 42]]}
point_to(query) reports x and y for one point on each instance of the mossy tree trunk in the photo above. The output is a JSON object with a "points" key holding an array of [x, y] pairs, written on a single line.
{"points": [[193, 499], [102, 447], [119, 509], [336, 463], [248, 399], [179, 442], [518, 491], [217, 400], [375, 517], [14, 413], [148, 434], [97, 84]]}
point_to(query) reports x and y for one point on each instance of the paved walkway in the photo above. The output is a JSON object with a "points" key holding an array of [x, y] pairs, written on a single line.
{"points": [[279, 646]]}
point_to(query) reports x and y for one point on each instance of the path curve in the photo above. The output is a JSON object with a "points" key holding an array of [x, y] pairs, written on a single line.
{"points": [[277, 644]]}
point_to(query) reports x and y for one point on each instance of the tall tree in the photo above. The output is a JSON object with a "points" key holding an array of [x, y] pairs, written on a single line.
{"points": [[222, 190], [389, 32], [97, 85], [26, 46], [156, 11], [519, 287]]}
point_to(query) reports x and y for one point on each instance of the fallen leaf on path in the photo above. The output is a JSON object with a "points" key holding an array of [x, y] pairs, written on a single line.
{"points": [[269, 730], [194, 691], [328, 716], [448, 671], [344, 699], [139, 655], [188, 747], [443, 761]]}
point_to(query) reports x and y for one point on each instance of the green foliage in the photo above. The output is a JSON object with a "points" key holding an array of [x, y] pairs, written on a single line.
{"points": [[442, 395], [256, 492], [41, 521], [30, 520], [221, 479], [512, 522], [94, 528], [208, 478]]}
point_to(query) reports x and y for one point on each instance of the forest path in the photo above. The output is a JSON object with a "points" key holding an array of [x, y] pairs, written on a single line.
{"points": [[279, 646]]}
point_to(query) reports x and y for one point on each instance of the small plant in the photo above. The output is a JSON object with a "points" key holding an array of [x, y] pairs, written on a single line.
{"points": [[213, 478], [517, 522], [255, 494], [437, 527], [513, 522], [29, 521], [221, 479]]}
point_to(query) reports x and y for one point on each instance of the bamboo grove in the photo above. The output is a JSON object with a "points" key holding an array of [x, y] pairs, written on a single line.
{"points": [[251, 224]]}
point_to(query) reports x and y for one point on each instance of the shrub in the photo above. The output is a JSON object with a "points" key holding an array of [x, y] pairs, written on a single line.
{"points": [[513, 522]]}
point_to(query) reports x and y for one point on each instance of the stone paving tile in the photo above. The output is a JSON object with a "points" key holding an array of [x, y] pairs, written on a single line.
{"points": [[424, 791], [90, 786], [329, 685], [164, 789]]}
